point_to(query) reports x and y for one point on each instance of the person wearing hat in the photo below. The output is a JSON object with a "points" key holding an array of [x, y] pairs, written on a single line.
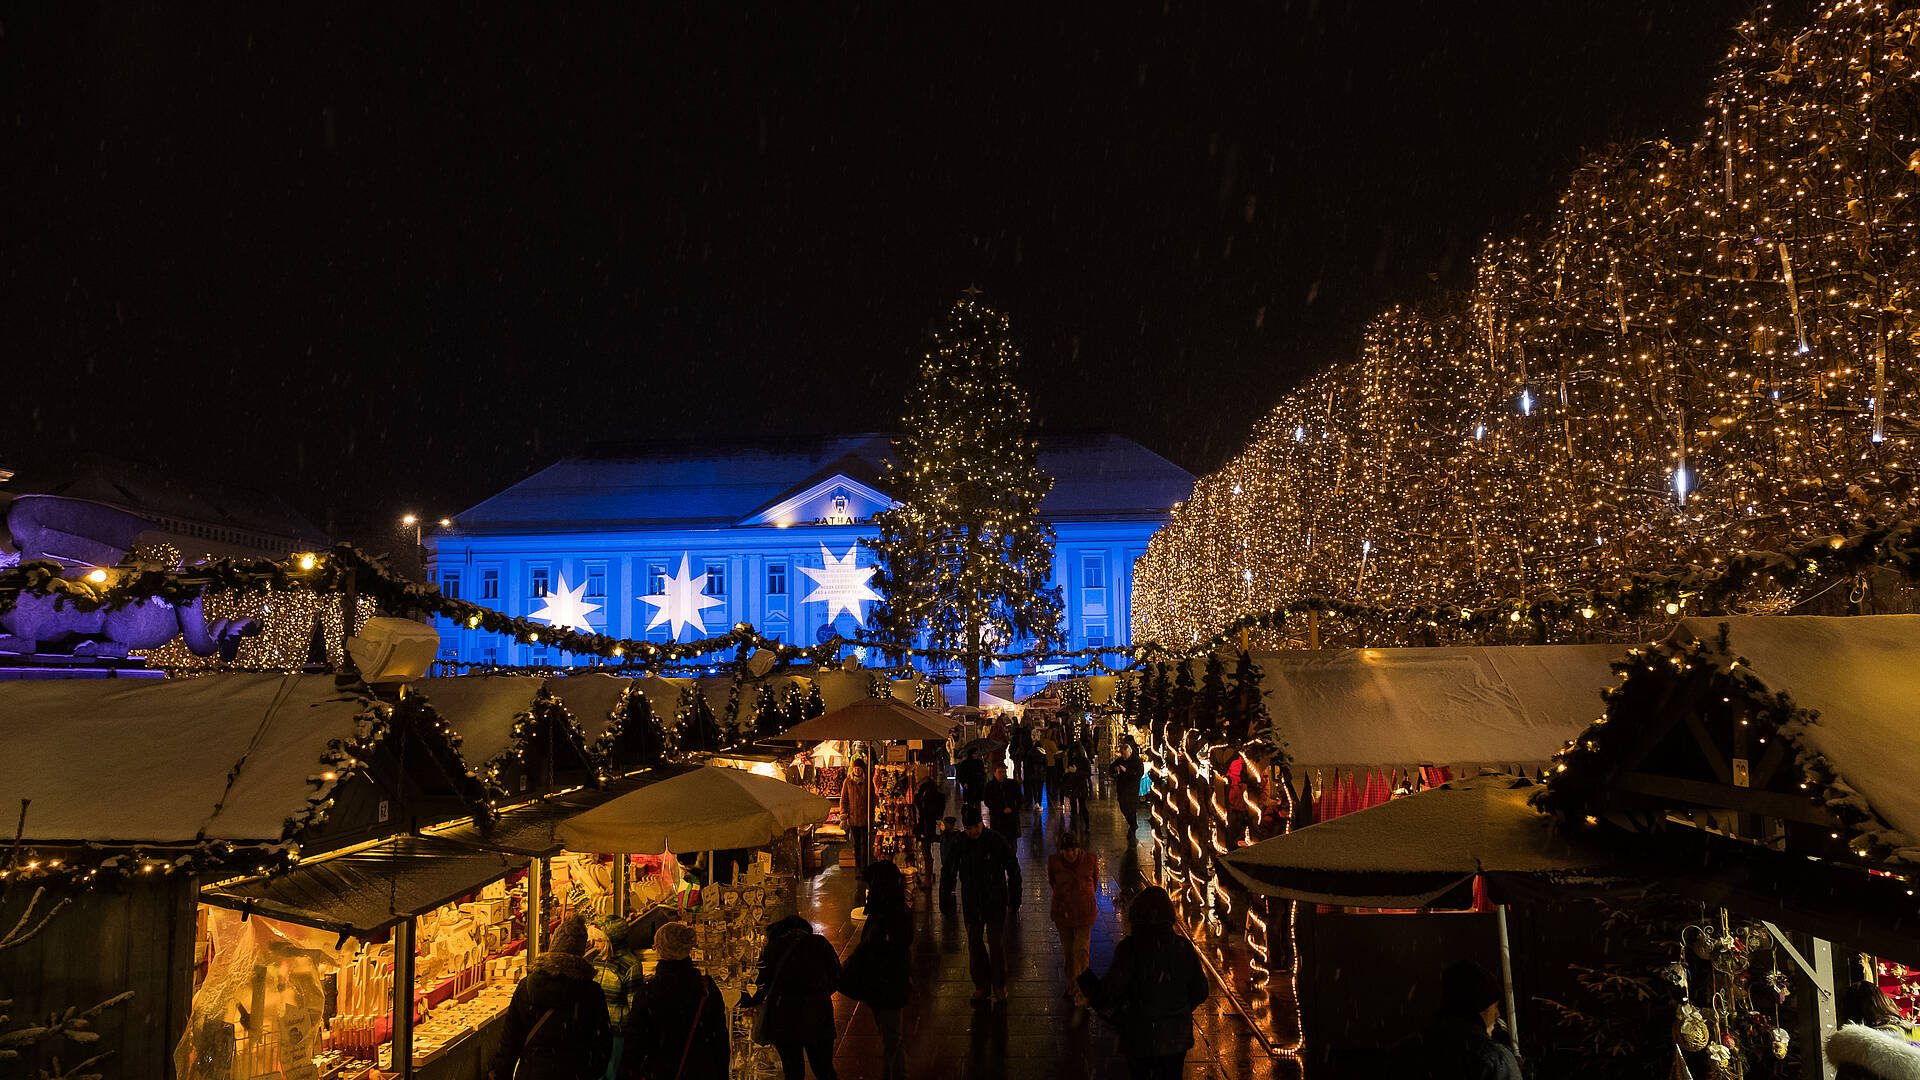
{"points": [[617, 971], [1152, 988], [685, 1030], [556, 1024], [989, 876], [1074, 875], [1459, 1045]]}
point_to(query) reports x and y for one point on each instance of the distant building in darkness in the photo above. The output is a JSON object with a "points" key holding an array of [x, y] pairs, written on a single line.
{"points": [[751, 516]]}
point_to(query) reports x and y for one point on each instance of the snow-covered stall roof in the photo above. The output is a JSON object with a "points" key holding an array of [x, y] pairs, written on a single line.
{"points": [[482, 709], [222, 757], [1861, 674], [590, 699], [1497, 705]]}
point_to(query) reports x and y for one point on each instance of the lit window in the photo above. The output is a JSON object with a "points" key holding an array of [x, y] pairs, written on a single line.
{"points": [[489, 584], [1093, 571], [777, 579], [1096, 633], [537, 580], [450, 586], [596, 583], [716, 579], [656, 579]]}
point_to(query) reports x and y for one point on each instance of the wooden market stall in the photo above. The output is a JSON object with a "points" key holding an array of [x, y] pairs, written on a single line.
{"points": [[514, 732]]}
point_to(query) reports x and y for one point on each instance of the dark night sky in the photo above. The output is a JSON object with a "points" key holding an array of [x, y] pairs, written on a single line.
{"points": [[379, 258]]}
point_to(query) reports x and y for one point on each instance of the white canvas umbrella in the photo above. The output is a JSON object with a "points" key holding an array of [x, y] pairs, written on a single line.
{"points": [[870, 720], [705, 809]]}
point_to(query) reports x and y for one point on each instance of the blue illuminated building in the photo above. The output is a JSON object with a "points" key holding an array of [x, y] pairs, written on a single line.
{"points": [[752, 516]]}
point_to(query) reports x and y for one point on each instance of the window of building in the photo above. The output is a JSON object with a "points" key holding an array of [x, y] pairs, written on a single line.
{"points": [[596, 581], [489, 584], [1096, 633], [716, 579], [490, 655], [539, 657], [776, 579], [1093, 571], [537, 581], [656, 579], [450, 586]]}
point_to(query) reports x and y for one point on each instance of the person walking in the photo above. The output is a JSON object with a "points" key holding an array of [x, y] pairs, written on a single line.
{"points": [[799, 972], [1152, 988], [1460, 1043], [877, 972], [929, 804], [989, 878], [1050, 746], [1126, 770], [617, 971], [973, 779], [1003, 806], [856, 811], [1075, 784], [950, 837], [685, 1027], [1073, 875], [1034, 771], [556, 1024]]}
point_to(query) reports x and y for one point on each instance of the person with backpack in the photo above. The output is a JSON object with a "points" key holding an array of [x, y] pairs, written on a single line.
{"points": [[1151, 989], [556, 1024], [877, 973], [686, 1018], [793, 998]]}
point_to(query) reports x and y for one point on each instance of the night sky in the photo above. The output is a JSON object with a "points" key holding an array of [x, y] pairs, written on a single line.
{"points": [[376, 257]]}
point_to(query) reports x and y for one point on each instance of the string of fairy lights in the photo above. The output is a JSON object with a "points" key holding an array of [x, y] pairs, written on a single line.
{"points": [[1710, 348]]}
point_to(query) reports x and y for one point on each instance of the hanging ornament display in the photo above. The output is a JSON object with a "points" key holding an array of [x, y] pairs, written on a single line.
{"points": [[1793, 298], [681, 600]]}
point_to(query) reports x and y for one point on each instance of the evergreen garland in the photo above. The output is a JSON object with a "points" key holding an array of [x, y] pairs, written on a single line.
{"points": [[695, 728], [768, 720], [1247, 718], [1210, 718]]}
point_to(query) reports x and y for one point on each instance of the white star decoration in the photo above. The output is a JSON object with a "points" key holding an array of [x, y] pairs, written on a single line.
{"points": [[682, 601], [567, 608], [841, 585]]}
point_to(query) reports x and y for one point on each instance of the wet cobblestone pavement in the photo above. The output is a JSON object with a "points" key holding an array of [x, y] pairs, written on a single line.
{"points": [[1038, 1033]]}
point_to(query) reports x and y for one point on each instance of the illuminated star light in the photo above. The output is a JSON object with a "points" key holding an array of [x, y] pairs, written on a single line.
{"points": [[681, 601], [567, 608], [841, 585]]}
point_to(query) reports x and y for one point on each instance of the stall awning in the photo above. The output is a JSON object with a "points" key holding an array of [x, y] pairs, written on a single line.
{"points": [[366, 891], [870, 720], [223, 757], [482, 708], [1498, 705], [590, 699], [533, 829]]}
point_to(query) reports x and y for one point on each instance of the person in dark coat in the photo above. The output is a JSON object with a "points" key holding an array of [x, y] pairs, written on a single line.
{"points": [[973, 778], [1126, 770], [1034, 770], [1076, 783], [989, 876], [556, 1025], [685, 1026], [1003, 805], [1152, 988], [929, 803], [1459, 1045], [880, 963], [799, 972]]}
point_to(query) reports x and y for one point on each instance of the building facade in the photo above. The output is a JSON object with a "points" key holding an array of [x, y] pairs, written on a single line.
{"points": [[773, 531]]}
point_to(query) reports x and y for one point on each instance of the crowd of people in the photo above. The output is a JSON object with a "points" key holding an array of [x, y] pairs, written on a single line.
{"points": [[584, 1013]]}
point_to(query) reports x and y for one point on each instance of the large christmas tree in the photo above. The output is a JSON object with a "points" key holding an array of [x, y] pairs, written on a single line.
{"points": [[964, 557]]}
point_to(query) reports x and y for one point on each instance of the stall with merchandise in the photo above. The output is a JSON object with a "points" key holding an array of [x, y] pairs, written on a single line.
{"points": [[890, 731]]}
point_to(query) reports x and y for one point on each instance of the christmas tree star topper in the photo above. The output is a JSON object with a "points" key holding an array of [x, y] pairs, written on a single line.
{"points": [[681, 601]]}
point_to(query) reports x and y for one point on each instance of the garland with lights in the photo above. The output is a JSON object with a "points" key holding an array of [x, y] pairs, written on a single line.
{"points": [[1708, 679]]}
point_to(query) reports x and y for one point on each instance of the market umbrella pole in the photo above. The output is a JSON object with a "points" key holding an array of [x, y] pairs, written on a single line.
{"points": [[1506, 976]]}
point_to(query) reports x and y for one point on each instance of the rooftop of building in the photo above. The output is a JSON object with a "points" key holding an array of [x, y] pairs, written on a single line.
{"points": [[166, 495], [713, 483]]}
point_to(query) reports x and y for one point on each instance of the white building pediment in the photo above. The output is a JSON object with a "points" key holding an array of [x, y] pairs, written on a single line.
{"points": [[837, 500]]}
